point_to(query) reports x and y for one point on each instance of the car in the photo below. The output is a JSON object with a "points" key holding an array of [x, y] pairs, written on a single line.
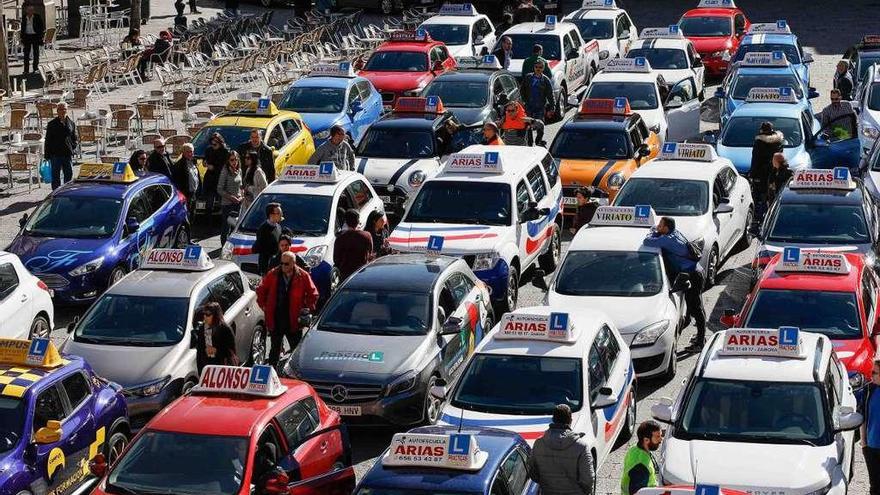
{"points": [[833, 294], [483, 461], [498, 207], [572, 60], [242, 431], [58, 414], [716, 27], [405, 64], [333, 95], [142, 332], [476, 91], [776, 36], [26, 307], [869, 170], [601, 146], [313, 199], [861, 56], [86, 235], [867, 100], [820, 209], [689, 490], [671, 113], [393, 330], [607, 267], [671, 55], [758, 398], [605, 22], [464, 31], [710, 203], [538, 357]]}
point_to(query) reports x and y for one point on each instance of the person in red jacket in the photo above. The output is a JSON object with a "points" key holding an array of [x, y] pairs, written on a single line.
{"points": [[286, 293]]}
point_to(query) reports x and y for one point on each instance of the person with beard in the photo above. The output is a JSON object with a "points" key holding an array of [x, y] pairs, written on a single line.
{"points": [[639, 466]]}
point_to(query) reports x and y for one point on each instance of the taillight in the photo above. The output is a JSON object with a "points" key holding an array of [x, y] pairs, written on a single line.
{"points": [[181, 197], [42, 285]]}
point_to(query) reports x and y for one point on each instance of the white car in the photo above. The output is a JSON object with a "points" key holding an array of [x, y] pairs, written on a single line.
{"points": [[536, 358], [603, 21], [673, 113], [671, 55], [607, 267], [466, 32], [710, 203], [26, 308], [868, 103], [764, 411]]}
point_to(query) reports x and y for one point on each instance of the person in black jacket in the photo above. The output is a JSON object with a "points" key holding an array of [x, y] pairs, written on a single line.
{"points": [[32, 31], [216, 341], [60, 144], [185, 173], [268, 234], [779, 175], [138, 161], [768, 142], [215, 157], [160, 161], [504, 51], [267, 158], [377, 226]]}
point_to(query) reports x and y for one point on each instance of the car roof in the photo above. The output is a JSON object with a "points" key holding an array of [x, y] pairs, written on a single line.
{"points": [[586, 322], [345, 177], [167, 283], [593, 14], [408, 46], [605, 76], [790, 110], [770, 39], [515, 161], [326, 82], [824, 282], [469, 74], [677, 169], [764, 368], [762, 70], [465, 20], [538, 28], [854, 196], [17, 380], [617, 122], [602, 238], [106, 189], [409, 120], [712, 12], [680, 44], [405, 272]]}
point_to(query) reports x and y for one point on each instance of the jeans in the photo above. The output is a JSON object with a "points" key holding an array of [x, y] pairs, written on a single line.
{"points": [[275, 344], [226, 211], [59, 164], [694, 299], [872, 461], [759, 196]]}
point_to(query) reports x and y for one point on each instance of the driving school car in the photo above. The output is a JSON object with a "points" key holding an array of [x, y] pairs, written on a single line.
{"points": [[464, 31], [773, 36], [609, 25], [56, 416], [716, 27], [671, 55]]}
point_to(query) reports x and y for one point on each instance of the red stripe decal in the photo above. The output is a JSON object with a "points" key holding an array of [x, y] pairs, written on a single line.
{"points": [[461, 237], [241, 251], [531, 435], [533, 245], [611, 426]]}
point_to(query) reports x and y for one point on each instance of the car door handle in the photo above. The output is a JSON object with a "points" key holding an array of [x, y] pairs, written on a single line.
{"points": [[247, 311], [24, 298], [324, 446]]}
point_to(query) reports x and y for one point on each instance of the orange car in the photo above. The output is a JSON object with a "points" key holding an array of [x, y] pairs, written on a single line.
{"points": [[601, 147]]}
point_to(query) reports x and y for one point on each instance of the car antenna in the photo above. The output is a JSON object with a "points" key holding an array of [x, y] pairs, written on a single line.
{"points": [[693, 467], [460, 420]]}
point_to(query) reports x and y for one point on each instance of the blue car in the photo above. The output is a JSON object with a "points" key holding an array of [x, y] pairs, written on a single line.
{"points": [[37, 453], [89, 233], [776, 37], [331, 95], [487, 461]]}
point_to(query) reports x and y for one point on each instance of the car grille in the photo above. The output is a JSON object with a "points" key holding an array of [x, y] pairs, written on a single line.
{"points": [[354, 393], [387, 97], [53, 281], [643, 365]]}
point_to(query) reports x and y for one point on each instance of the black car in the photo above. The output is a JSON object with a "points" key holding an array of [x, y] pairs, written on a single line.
{"points": [[475, 95], [861, 56]]}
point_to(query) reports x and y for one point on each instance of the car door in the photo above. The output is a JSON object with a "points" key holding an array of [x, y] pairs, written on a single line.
{"points": [[837, 144], [164, 221], [515, 471], [363, 199], [682, 111], [136, 244], [228, 291], [625, 33], [738, 200], [575, 67], [340, 478], [59, 462], [617, 379], [86, 440], [511, 88], [833, 385], [371, 105], [539, 230], [15, 304], [725, 224], [523, 198], [486, 36], [453, 316], [283, 138], [305, 458], [697, 66]]}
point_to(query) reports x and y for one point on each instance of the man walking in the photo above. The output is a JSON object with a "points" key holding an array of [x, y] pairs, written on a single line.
{"points": [[843, 80], [839, 117], [60, 144], [561, 462], [267, 158], [160, 161], [767, 143], [528, 65], [538, 96], [32, 31], [639, 466], [336, 149], [186, 173], [268, 236], [353, 247]]}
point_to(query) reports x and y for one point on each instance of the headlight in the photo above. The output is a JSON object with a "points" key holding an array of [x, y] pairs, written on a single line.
{"points": [[821, 491], [149, 389], [650, 334], [322, 134], [616, 180], [603, 54], [485, 261], [856, 380], [402, 384], [90, 267], [226, 252], [315, 255], [870, 132], [416, 178], [718, 54]]}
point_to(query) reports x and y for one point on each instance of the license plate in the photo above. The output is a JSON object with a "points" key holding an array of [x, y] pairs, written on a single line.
{"points": [[347, 410], [200, 205], [569, 201], [549, 5], [387, 108], [385, 199]]}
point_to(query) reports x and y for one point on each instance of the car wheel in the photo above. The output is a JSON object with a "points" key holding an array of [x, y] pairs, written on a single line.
{"points": [[115, 446], [40, 328], [187, 387], [672, 368], [508, 304], [629, 427], [334, 280], [258, 346], [563, 100], [181, 240], [746, 238], [386, 6], [116, 275], [550, 259], [433, 405], [711, 268]]}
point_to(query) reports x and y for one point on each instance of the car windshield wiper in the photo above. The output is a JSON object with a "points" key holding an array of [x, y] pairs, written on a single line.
{"points": [[121, 489]]}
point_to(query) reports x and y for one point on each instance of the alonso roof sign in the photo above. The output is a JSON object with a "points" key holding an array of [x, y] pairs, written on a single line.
{"points": [[456, 451], [795, 259], [554, 327], [191, 258], [259, 380], [624, 216], [781, 342]]}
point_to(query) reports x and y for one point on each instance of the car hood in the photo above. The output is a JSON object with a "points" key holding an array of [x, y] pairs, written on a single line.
{"points": [[398, 82], [711, 44], [57, 254], [355, 354], [471, 116], [856, 354], [458, 239], [742, 157], [458, 51], [672, 76], [591, 172], [8, 465], [394, 171], [129, 366], [694, 227], [319, 122], [629, 314], [652, 117]]}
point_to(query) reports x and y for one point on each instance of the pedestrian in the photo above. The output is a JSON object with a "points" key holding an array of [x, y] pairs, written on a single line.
{"points": [[59, 145], [838, 118], [377, 226], [215, 339], [767, 143], [138, 161], [353, 247], [185, 173], [193, 8], [491, 135], [505, 24], [639, 467], [159, 53], [526, 12], [229, 188], [586, 208], [516, 126], [254, 179], [33, 29], [538, 95], [267, 157], [528, 66], [561, 462], [284, 243], [160, 160], [335, 149], [843, 80], [268, 236], [286, 294], [870, 429], [680, 259], [779, 175], [505, 50], [216, 156]]}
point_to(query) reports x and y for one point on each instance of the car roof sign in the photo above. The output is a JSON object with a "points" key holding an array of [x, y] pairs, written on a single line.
{"points": [[483, 163], [119, 172], [457, 9], [457, 451], [670, 32], [779, 27], [605, 106], [716, 4], [871, 41], [419, 104], [811, 178], [417, 35], [797, 260], [260, 381], [781, 342], [324, 172], [190, 258], [485, 62], [553, 327], [262, 107], [37, 352], [624, 216], [771, 95], [599, 4], [764, 59], [637, 64], [342, 69], [691, 152], [550, 22]]}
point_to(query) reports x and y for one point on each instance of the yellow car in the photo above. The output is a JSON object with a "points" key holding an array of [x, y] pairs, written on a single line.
{"points": [[283, 131]]}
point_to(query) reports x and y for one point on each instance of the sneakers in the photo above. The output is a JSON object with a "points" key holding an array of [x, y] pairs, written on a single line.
{"points": [[695, 346]]}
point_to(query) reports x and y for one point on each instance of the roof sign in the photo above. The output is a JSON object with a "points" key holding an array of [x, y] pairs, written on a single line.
{"points": [[435, 245], [457, 451], [781, 342], [108, 172], [190, 258], [717, 4], [342, 69], [261, 107], [691, 152], [670, 32], [457, 9], [599, 4], [417, 35], [550, 22], [484, 163], [37, 352], [624, 216], [765, 59], [419, 104], [871, 40], [260, 380], [637, 64], [811, 178], [554, 327], [778, 27], [707, 490], [485, 62], [605, 106], [771, 95], [325, 172], [794, 259]]}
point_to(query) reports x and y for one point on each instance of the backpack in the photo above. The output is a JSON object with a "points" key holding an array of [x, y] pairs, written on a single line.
{"points": [[193, 178], [694, 249]]}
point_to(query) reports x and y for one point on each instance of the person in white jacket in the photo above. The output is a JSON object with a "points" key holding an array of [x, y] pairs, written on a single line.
{"points": [[254, 179]]}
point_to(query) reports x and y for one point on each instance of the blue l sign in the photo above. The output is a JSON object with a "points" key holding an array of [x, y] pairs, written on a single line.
{"points": [[260, 375], [669, 148], [558, 322], [791, 255], [788, 335], [192, 252], [326, 168], [841, 173], [459, 444], [38, 348], [707, 490], [643, 211], [435, 244]]}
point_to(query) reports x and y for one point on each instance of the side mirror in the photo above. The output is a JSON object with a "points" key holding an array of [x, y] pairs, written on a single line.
{"points": [[812, 93], [604, 54], [98, 465], [698, 62], [23, 220], [681, 283], [478, 40], [808, 58], [194, 336], [538, 280], [719, 93], [529, 215], [438, 392], [437, 67], [846, 419], [722, 209], [355, 107], [572, 54], [673, 104], [132, 225], [72, 325], [276, 483], [728, 318], [623, 34], [452, 326], [662, 410], [30, 453], [275, 152], [643, 150], [710, 137], [50, 433], [573, 100], [605, 399]]}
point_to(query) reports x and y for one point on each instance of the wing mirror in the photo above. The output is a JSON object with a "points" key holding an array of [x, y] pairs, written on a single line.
{"points": [[50, 433], [437, 67], [438, 391], [538, 280], [728, 318], [722, 209], [812, 93], [276, 483], [662, 410], [572, 54], [23, 220], [710, 137], [72, 325], [643, 150], [355, 107], [98, 465], [605, 398], [847, 419], [452, 326], [478, 40], [132, 225], [808, 58], [674, 103], [719, 93], [681, 283]]}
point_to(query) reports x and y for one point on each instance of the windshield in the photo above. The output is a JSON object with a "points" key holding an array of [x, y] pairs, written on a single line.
{"points": [[462, 94], [662, 58], [740, 131], [672, 197], [12, 413], [117, 319], [641, 96], [865, 61], [706, 27], [387, 61], [304, 214], [75, 216], [451, 34], [817, 223], [234, 137], [835, 314], [874, 99], [377, 313], [743, 83], [470, 203], [610, 273], [203, 464], [791, 51], [396, 143], [523, 44], [595, 29], [597, 144], [520, 385], [313, 100], [753, 411]]}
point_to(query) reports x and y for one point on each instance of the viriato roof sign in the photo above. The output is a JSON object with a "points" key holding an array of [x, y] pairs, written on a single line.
{"points": [[771, 95], [624, 216], [696, 152]]}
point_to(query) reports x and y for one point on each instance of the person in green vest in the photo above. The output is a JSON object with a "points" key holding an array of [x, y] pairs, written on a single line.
{"points": [[639, 467]]}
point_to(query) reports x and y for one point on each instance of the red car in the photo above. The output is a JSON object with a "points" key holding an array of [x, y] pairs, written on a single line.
{"points": [[838, 300], [716, 28], [405, 64], [239, 430]]}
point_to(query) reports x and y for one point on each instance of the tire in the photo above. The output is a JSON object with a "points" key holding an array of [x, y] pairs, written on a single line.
{"points": [[257, 354], [116, 275], [550, 260], [670, 371], [629, 425], [187, 386], [40, 327], [508, 304], [181, 240], [114, 447], [563, 100], [386, 7], [746, 238], [433, 406], [712, 266]]}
